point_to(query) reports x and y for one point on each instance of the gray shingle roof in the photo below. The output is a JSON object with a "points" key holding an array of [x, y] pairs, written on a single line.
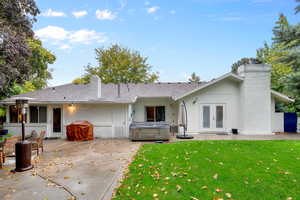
{"points": [[128, 92]]}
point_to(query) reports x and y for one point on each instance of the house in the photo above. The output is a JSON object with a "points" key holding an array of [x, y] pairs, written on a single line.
{"points": [[244, 101]]}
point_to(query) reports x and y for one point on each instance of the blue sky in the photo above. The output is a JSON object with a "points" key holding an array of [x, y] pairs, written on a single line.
{"points": [[178, 36]]}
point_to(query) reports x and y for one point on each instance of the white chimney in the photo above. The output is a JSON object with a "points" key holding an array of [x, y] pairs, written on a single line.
{"points": [[255, 99], [95, 86]]}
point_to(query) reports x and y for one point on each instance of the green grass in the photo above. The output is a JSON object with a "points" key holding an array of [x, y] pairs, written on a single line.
{"points": [[245, 169]]}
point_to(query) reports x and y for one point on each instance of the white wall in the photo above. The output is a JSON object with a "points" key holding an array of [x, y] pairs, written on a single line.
{"points": [[109, 120], [278, 122], [139, 109], [224, 92], [277, 118], [256, 99], [16, 129]]}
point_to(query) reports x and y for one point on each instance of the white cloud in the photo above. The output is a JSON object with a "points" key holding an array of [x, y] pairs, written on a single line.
{"points": [[65, 47], [172, 12], [87, 36], [78, 14], [153, 9], [55, 34], [147, 3], [105, 15], [52, 13], [52, 32]]}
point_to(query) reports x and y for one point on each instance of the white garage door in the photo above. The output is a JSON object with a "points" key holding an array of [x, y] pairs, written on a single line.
{"points": [[110, 121]]}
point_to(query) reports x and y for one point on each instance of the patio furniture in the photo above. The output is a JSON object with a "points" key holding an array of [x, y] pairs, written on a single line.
{"points": [[37, 142], [8, 147], [80, 131], [2, 158]]}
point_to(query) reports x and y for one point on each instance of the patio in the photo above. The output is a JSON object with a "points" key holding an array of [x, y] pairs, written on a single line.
{"points": [[69, 170]]}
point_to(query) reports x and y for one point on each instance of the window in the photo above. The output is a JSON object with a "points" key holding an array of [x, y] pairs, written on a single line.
{"points": [[38, 114], [15, 115], [155, 114]]}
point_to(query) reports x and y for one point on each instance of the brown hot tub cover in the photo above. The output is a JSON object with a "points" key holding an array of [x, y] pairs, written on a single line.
{"points": [[80, 131]]}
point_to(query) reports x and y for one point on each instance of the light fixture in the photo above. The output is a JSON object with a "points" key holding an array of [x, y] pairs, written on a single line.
{"points": [[71, 108]]}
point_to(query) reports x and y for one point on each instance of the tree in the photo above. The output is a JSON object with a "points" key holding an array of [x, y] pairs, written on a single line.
{"points": [[16, 19], [117, 64], [39, 61], [284, 56], [40, 73], [194, 78], [298, 7], [271, 55], [243, 61]]}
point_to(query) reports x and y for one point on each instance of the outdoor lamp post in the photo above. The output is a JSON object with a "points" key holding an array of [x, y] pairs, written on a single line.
{"points": [[23, 147]]}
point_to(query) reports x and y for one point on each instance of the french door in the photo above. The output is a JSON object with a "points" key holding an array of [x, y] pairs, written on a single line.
{"points": [[212, 117]]}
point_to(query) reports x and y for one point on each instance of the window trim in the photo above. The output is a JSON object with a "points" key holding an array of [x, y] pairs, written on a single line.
{"points": [[38, 114], [155, 109], [19, 112]]}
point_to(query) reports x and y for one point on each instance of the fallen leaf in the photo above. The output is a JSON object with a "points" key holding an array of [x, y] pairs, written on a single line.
{"points": [[194, 198], [178, 188], [66, 177], [50, 184], [204, 187], [155, 195], [228, 195], [219, 190], [215, 176]]}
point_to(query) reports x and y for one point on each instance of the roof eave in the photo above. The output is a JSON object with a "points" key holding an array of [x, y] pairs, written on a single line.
{"points": [[282, 97], [225, 76], [67, 102]]}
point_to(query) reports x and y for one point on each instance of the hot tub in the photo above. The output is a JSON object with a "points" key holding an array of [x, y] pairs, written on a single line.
{"points": [[149, 131]]}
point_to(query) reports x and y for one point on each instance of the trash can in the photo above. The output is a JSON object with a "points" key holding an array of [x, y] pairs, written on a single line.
{"points": [[235, 131], [3, 132]]}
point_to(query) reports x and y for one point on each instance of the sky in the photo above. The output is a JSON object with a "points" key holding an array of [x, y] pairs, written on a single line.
{"points": [[178, 36]]}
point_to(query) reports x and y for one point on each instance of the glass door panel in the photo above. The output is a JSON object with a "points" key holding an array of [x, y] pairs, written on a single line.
{"points": [[206, 117], [219, 116]]}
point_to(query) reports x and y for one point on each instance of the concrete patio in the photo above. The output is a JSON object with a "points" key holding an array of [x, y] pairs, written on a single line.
{"points": [[84, 170]]}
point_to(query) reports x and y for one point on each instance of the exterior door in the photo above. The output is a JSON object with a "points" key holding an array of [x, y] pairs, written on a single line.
{"points": [[56, 121], [212, 117]]}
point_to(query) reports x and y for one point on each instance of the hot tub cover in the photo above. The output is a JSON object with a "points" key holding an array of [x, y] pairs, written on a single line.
{"points": [[80, 131]]}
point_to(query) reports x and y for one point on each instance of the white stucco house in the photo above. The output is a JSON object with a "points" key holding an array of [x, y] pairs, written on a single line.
{"points": [[243, 101]]}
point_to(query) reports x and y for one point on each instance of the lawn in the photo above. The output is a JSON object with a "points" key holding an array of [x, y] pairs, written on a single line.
{"points": [[214, 170]]}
